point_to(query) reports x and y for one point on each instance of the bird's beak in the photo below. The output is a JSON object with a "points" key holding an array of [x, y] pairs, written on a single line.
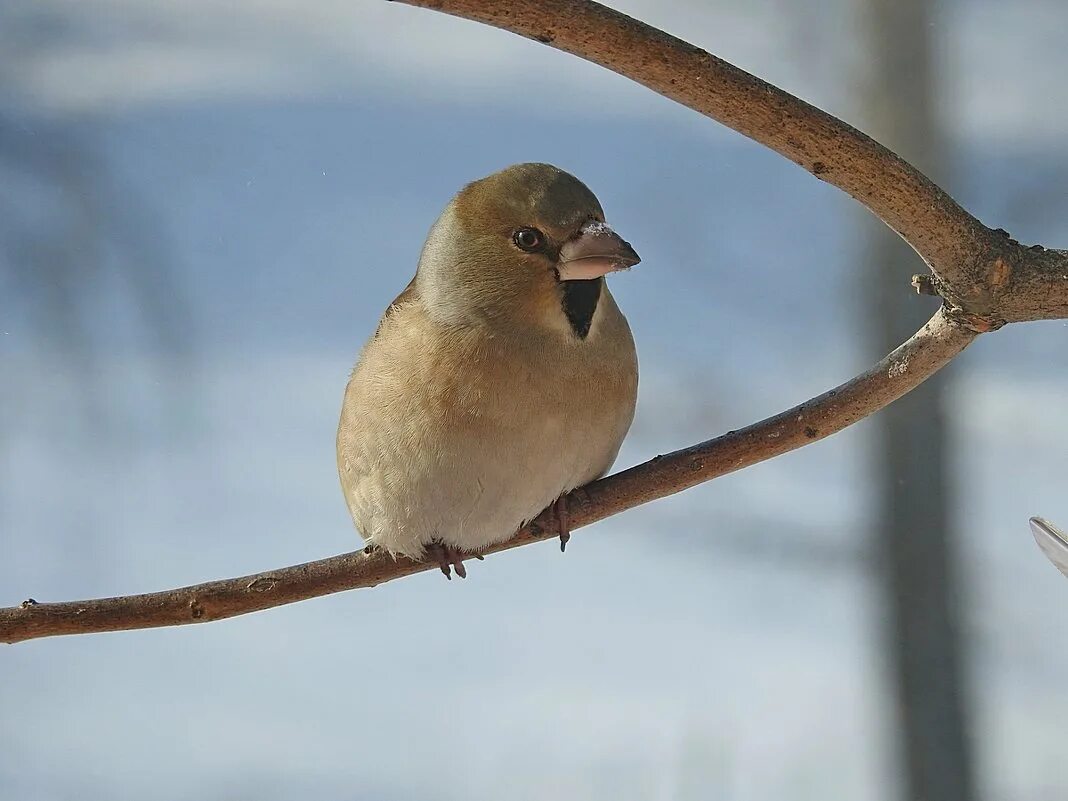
{"points": [[595, 251]]}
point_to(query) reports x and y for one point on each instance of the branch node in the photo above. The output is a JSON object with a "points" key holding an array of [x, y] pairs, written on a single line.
{"points": [[925, 285], [261, 584], [978, 323]]}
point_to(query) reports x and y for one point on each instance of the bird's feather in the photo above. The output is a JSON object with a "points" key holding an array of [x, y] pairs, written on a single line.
{"points": [[491, 386]]}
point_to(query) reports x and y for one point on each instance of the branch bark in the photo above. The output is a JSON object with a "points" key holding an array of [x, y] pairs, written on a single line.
{"points": [[985, 277]]}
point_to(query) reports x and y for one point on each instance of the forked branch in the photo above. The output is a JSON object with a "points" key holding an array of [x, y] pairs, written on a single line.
{"points": [[985, 278]]}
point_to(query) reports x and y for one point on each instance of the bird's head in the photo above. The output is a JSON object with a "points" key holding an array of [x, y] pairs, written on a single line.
{"points": [[514, 247]]}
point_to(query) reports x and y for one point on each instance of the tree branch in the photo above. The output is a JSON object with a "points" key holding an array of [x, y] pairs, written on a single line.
{"points": [[982, 271], [924, 354], [985, 277]]}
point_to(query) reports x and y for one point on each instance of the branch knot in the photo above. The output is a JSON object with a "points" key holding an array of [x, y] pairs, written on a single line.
{"points": [[979, 323]]}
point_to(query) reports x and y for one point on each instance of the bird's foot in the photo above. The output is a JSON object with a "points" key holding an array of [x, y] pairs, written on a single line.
{"points": [[560, 517], [449, 558]]}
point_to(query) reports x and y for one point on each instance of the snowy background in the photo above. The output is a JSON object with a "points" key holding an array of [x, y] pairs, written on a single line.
{"points": [[245, 187]]}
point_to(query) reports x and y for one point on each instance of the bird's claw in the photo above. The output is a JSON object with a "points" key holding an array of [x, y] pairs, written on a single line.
{"points": [[449, 559], [563, 527]]}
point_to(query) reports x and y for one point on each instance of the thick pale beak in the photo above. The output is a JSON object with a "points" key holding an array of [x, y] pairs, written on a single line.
{"points": [[596, 251]]}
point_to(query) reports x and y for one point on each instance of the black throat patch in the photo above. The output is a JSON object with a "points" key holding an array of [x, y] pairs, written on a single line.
{"points": [[580, 303]]}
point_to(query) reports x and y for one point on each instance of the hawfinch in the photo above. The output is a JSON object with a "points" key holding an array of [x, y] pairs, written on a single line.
{"points": [[500, 379]]}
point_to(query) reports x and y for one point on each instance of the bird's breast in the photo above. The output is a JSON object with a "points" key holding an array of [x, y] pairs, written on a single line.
{"points": [[466, 433]]}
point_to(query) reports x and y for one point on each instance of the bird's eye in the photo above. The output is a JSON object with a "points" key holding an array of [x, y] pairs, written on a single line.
{"points": [[528, 239]]}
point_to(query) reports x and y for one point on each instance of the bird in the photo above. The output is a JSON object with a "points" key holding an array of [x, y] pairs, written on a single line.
{"points": [[502, 377]]}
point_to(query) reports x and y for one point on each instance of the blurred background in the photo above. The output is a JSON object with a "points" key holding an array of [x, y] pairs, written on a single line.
{"points": [[203, 210]]}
